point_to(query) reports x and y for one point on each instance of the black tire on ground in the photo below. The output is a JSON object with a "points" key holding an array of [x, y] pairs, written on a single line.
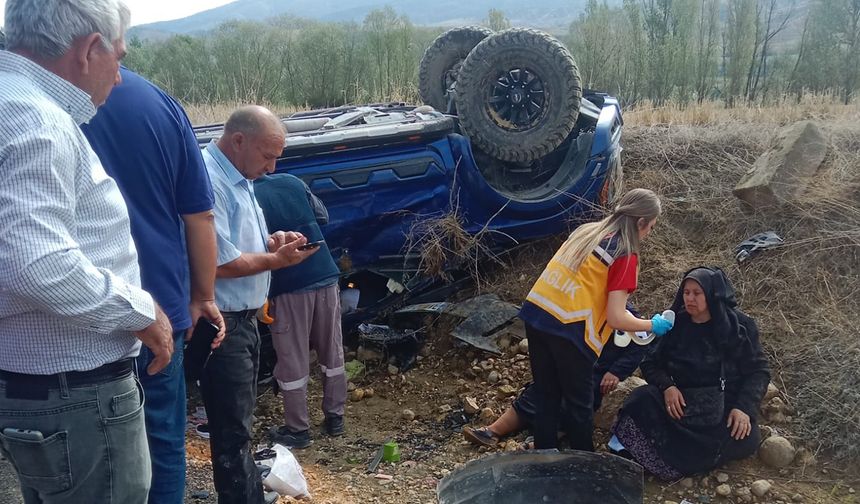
{"points": [[442, 60], [518, 95]]}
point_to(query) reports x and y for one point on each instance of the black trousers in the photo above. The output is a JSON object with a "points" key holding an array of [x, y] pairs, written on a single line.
{"points": [[561, 372], [228, 385]]}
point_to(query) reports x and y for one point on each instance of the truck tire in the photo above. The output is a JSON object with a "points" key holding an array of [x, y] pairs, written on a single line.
{"points": [[441, 62], [518, 95]]}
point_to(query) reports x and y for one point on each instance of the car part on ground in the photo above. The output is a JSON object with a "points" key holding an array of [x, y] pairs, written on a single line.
{"points": [[518, 95], [525, 477], [402, 345], [441, 62], [751, 247], [483, 317]]}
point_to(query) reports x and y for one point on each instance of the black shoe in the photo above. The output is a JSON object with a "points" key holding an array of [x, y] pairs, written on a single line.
{"points": [[334, 426], [284, 436], [270, 497]]}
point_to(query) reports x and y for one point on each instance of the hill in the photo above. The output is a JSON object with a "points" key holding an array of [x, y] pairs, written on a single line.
{"points": [[547, 14]]}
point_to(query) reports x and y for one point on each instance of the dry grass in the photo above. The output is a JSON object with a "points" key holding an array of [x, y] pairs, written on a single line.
{"points": [[211, 113], [443, 243], [823, 108]]}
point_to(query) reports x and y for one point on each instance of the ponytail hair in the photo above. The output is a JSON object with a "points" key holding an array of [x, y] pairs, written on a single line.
{"points": [[623, 221]]}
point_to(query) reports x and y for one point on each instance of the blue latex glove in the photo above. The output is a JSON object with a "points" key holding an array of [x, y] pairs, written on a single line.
{"points": [[660, 325]]}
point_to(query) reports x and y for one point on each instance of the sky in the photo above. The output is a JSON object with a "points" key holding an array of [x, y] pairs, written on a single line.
{"points": [[148, 11]]}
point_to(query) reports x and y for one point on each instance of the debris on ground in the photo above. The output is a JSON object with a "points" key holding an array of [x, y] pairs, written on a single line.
{"points": [[484, 316], [285, 475], [354, 369], [755, 244]]}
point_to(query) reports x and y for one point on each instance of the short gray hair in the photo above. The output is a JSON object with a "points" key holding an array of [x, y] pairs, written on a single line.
{"points": [[47, 28]]}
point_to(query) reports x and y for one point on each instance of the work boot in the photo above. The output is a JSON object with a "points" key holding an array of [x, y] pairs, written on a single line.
{"points": [[284, 436], [334, 425]]}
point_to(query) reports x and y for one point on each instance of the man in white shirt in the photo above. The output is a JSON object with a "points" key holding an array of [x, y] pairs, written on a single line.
{"points": [[72, 314]]}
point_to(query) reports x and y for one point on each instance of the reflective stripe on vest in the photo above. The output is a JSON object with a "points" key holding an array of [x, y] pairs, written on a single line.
{"points": [[577, 296]]}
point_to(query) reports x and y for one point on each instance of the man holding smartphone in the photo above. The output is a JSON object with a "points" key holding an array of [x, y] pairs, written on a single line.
{"points": [[306, 307], [252, 141]]}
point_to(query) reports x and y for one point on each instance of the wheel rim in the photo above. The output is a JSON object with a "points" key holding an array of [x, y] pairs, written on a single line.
{"points": [[516, 99]]}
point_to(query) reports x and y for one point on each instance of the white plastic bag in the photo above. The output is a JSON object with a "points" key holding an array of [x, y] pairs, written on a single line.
{"points": [[286, 476]]}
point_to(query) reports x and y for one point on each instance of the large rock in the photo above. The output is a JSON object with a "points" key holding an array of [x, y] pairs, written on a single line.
{"points": [[605, 416], [776, 451], [783, 172]]}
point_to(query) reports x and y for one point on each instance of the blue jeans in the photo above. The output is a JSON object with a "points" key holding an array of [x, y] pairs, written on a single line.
{"points": [[165, 424], [93, 447]]}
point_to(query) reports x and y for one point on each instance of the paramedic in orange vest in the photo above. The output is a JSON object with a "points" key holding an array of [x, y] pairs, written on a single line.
{"points": [[574, 306]]}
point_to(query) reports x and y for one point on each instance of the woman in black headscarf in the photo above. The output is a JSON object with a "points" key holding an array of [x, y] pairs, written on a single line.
{"points": [[706, 379]]}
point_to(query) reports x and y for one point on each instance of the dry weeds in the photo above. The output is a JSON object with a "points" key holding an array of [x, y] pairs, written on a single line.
{"points": [[212, 113], [710, 113], [443, 243]]}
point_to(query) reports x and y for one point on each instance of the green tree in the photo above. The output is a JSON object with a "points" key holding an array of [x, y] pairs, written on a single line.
{"points": [[738, 46], [591, 41], [389, 41], [846, 14], [819, 67], [707, 43], [497, 21]]}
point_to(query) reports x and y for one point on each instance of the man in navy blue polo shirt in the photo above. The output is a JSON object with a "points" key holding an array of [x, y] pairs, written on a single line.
{"points": [[146, 143]]}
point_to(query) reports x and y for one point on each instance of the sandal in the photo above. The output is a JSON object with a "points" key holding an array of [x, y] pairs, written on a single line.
{"points": [[480, 437], [529, 443]]}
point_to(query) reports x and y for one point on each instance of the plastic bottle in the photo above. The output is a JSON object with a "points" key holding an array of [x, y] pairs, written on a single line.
{"points": [[643, 338]]}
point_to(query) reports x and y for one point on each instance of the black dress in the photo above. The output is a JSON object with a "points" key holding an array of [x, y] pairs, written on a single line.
{"points": [[689, 356]]}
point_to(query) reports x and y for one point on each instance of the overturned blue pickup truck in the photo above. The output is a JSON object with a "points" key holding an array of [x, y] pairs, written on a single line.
{"points": [[507, 142]]}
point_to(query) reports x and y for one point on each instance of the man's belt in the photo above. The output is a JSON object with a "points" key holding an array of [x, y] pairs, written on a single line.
{"points": [[39, 384], [243, 314]]}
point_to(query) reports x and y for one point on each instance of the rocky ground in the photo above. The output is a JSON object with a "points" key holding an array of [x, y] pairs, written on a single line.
{"points": [[424, 409]]}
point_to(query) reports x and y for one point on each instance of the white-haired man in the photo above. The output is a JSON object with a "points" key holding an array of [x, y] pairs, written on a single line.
{"points": [[72, 314]]}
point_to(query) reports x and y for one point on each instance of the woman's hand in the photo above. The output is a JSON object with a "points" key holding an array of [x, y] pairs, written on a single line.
{"points": [[608, 383], [739, 423], [675, 403]]}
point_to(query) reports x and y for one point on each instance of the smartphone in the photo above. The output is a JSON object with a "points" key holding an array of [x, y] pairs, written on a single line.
{"points": [[200, 347], [25, 434], [311, 245]]}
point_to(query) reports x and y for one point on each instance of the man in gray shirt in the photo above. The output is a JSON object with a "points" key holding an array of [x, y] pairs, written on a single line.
{"points": [[72, 314]]}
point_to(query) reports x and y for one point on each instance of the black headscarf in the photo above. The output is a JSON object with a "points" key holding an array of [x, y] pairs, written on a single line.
{"points": [[722, 303]]}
